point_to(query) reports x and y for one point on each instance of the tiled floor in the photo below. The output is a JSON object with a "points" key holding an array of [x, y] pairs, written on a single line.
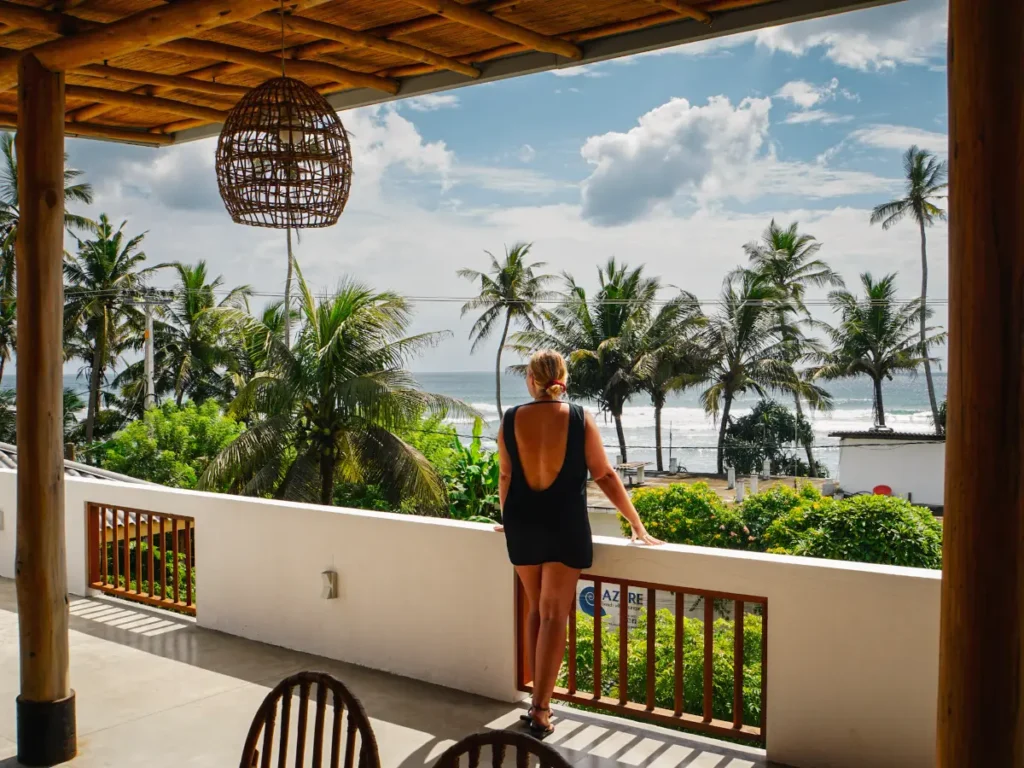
{"points": [[155, 690]]}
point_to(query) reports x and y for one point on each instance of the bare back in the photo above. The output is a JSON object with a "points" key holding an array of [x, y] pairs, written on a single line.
{"points": [[542, 433]]}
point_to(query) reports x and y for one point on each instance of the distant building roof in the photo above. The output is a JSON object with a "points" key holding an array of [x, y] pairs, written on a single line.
{"points": [[9, 460], [903, 437]]}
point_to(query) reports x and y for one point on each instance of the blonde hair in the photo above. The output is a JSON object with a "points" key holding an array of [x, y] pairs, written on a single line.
{"points": [[549, 372]]}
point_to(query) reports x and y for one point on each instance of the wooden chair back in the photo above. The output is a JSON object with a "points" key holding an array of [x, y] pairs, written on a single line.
{"points": [[500, 744], [352, 744]]}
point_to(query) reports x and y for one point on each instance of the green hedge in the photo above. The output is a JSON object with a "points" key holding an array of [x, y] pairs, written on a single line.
{"points": [[664, 665], [782, 520]]}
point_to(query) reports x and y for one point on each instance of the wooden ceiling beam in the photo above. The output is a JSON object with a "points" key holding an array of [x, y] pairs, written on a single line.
{"points": [[92, 131], [169, 82], [126, 99], [424, 23], [684, 9], [352, 39], [315, 70], [473, 17], [146, 29]]}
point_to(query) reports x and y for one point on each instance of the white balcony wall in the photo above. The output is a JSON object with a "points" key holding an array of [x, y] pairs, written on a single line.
{"points": [[852, 649]]}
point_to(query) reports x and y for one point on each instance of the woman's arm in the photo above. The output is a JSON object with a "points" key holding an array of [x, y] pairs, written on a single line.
{"points": [[504, 468], [610, 483]]}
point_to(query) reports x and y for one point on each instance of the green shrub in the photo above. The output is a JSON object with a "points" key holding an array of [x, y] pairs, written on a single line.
{"points": [[171, 445], [760, 510], [664, 665], [690, 514], [867, 529]]}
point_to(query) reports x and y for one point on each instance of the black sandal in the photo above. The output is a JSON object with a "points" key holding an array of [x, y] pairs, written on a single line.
{"points": [[528, 717], [540, 732]]}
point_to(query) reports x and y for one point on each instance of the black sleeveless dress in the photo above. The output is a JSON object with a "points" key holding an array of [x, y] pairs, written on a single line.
{"points": [[552, 525]]}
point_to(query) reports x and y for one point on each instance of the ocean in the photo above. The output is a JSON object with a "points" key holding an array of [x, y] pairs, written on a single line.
{"points": [[692, 434], [686, 430]]}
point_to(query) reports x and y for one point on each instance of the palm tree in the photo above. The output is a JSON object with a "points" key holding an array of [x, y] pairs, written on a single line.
{"points": [[332, 406], [876, 336], [102, 281], [199, 342], [788, 259], [748, 349], [926, 179], [8, 330], [600, 338], [509, 290], [672, 357], [9, 213]]}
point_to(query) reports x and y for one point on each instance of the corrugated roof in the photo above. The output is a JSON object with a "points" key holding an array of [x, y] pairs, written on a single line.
{"points": [[9, 460], [871, 434]]}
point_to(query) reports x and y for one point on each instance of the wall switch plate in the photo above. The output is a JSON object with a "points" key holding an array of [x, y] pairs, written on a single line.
{"points": [[329, 587]]}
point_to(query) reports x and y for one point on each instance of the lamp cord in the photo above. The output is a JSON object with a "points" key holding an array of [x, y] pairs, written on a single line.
{"points": [[282, 39]]}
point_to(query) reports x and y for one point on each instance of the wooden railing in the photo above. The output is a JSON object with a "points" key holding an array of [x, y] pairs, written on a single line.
{"points": [[669, 664], [142, 556]]}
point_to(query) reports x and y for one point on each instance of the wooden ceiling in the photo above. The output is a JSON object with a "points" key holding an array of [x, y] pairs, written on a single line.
{"points": [[154, 72]]}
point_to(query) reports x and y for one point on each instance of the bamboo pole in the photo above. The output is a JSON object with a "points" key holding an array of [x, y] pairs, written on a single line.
{"points": [[684, 9], [352, 39], [119, 74], [473, 17], [980, 708], [46, 709], [312, 70], [89, 130], [125, 99]]}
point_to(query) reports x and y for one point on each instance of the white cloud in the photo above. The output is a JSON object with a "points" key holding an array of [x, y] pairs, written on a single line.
{"points": [[901, 137], [526, 153], [912, 32], [700, 154], [806, 95], [816, 116], [582, 70], [430, 102]]}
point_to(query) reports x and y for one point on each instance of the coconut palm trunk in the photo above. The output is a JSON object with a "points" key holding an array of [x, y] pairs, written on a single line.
{"points": [[288, 295], [94, 383], [879, 404], [617, 415], [497, 363], [658, 405], [326, 477], [726, 407], [807, 445], [924, 325]]}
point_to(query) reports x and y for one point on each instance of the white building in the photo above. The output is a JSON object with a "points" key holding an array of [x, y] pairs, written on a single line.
{"points": [[908, 462]]}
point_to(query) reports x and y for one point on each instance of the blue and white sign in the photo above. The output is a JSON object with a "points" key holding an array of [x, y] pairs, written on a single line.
{"points": [[611, 598]]}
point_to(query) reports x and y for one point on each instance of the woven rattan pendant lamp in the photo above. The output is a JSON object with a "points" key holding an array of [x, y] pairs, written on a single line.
{"points": [[283, 157], [284, 161]]}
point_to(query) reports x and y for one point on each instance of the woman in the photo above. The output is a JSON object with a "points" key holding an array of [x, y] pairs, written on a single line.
{"points": [[546, 448]]}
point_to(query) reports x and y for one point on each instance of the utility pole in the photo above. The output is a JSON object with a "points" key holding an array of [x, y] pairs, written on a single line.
{"points": [[150, 401]]}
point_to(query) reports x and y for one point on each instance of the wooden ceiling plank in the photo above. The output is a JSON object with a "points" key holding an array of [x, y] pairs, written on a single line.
{"points": [[126, 99], [351, 38], [271, 63], [473, 17], [92, 131], [684, 9], [168, 82], [145, 29]]}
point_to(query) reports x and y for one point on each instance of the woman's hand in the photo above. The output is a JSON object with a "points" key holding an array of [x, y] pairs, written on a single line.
{"points": [[499, 528], [643, 537]]}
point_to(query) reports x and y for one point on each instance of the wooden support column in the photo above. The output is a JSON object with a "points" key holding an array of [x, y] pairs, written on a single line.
{"points": [[46, 706], [981, 717]]}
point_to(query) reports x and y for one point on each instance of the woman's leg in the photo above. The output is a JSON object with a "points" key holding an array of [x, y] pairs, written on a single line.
{"points": [[529, 576], [557, 598]]}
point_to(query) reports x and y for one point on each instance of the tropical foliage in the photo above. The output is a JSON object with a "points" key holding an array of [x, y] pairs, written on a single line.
{"points": [[781, 520], [765, 433], [171, 445], [332, 407], [925, 178], [876, 337], [510, 291]]}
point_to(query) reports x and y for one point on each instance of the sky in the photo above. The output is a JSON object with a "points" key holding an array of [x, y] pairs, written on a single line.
{"points": [[670, 160]]}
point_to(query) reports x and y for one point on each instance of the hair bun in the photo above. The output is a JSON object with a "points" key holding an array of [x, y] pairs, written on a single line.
{"points": [[554, 389]]}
